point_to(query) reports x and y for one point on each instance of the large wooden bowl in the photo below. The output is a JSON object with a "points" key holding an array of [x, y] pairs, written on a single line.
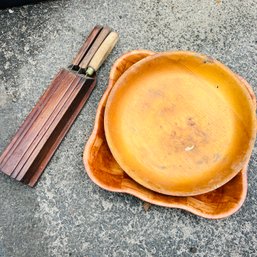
{"points": [[105, 171], [180, 123]]}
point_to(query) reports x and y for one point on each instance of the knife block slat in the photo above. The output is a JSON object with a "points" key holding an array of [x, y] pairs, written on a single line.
{"points": [[42, 131]]}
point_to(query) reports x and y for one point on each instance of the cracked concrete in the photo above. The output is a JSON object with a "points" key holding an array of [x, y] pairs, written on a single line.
{"points": [[68, 215]]}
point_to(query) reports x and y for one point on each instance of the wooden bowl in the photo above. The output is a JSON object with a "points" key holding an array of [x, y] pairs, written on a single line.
{"points": [[180, 123], [103, 169]]}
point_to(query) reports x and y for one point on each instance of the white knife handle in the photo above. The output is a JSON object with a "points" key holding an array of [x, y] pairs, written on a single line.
{"points": [[102, 53]]}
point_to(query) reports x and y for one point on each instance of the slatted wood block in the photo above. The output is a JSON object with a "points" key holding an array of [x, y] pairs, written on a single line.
{"points": [[35, 142]]}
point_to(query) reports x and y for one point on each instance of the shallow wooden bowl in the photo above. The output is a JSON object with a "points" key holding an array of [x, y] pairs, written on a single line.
{"points": [[180, 123], [103, 169]]}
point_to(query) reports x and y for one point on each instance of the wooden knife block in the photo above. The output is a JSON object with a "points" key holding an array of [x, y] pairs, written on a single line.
{"points": [[35, 142]]}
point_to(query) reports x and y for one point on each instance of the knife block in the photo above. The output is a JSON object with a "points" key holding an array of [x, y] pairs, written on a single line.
{"points": [[35, 142]]}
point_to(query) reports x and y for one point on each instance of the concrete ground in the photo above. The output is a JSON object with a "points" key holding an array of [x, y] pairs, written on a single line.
{"points": [[67, 214]]}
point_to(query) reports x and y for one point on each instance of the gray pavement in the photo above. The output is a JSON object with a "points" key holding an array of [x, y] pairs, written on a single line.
{"points": [[66, 214]]}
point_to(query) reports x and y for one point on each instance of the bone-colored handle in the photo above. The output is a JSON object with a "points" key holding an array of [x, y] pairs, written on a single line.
{"points": [[102, 52]]}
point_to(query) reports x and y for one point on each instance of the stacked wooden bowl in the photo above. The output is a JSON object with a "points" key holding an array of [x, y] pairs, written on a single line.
{"points": [[174, 129]]}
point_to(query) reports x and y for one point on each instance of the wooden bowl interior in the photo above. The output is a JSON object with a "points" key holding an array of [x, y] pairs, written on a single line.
{"points": [[180, 123]]}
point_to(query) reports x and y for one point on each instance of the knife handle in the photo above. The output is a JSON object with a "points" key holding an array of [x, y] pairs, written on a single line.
{"points": [[94, 47], [102, 53]]}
